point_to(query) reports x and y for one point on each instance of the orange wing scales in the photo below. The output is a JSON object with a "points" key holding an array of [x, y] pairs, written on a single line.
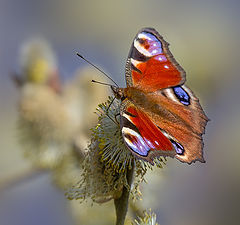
{"points": [[157, 74], [151, 66]]}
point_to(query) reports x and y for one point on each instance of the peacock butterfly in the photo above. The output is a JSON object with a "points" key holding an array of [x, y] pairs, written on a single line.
{"points": [[159, 114]]}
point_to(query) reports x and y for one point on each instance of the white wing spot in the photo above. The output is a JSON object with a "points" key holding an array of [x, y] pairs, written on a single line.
{"points": [[126, 130], [154, 51], [135, 62], [141, 49], [169, 93], [161, 58], [144, 36], [127, 117]]}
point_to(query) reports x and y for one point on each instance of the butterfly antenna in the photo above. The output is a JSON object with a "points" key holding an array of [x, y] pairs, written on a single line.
{"points": [[97, 69], [98, 82]]}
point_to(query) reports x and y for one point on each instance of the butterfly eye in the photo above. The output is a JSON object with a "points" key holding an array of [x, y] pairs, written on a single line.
{"points": [[182, 95], [178, 148]]}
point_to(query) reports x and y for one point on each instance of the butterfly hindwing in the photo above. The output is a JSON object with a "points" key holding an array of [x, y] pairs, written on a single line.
{"points": [[183, 123], [141, 135], [150, 64]]}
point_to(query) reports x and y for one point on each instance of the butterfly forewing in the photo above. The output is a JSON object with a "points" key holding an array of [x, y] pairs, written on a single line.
{"points": [[150, 64]]}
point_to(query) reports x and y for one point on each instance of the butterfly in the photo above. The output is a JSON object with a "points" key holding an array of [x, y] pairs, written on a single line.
{"points": [[159, 114]]}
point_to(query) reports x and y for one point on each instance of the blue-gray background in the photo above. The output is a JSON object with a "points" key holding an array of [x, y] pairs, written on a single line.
{"points": [[204, 37]]}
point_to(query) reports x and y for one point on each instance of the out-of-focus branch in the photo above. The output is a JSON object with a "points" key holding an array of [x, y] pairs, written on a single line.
{"points": [[20, 177]]}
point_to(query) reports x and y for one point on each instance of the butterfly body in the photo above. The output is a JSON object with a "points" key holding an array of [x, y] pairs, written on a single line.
{"points": [[159, 115]]}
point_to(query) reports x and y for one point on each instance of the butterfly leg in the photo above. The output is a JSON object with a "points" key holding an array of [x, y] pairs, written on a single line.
{"points": [[115, 121], [112, 119], [110, 104], [115, 116]]}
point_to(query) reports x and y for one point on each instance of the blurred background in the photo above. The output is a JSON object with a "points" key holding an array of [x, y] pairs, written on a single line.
{"points": [[204, 38]]}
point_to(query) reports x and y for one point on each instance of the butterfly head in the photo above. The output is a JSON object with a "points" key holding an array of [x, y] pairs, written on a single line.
{"points": [[118, 92]]}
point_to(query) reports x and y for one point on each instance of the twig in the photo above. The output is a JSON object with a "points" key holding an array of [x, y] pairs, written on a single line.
{"points": [[20, 177], [121, 203]]}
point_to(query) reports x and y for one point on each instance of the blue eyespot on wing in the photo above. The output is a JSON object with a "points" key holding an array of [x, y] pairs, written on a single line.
{"points": [[182, 95], [178, 147]]}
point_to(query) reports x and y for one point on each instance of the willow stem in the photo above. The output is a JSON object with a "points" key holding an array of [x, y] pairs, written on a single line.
{"points": [[121, 203]]}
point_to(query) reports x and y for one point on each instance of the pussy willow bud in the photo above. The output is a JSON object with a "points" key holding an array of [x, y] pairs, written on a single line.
{"points": [[148, 219], [107, 160]]}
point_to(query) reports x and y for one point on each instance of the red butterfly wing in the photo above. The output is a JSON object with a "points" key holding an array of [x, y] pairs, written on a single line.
{"points": [[150, 65], [141, 135]]}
